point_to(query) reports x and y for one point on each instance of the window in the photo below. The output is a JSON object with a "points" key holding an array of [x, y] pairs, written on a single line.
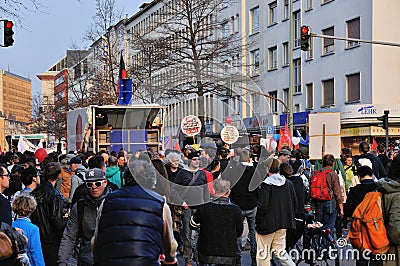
{"points": [[234, 24], [310, 96], [255, 62], [255, 100], [272, 58], [297, 75], [225, 30], [329, 45], [353, 31], [285, 9], [296, 27], [286, 96], [327, 1], [285, 54], [273, 102], [353, 88], [309, 4], [272, 13], [328, 92], [297, 108], [254, 20]]}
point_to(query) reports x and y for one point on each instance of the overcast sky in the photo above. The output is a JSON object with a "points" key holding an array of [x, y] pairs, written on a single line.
{"points": [[48, 34]]}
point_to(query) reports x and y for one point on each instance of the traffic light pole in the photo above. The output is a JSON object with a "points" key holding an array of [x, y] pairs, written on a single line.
{"points": [[354, 40], [386, 123]]}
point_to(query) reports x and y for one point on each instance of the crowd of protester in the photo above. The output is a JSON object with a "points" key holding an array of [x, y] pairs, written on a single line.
{"points": [[146, 208]]}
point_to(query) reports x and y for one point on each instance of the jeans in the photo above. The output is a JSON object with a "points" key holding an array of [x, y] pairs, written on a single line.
{"points": [[326, 213], [187, 234], [250, 216]]}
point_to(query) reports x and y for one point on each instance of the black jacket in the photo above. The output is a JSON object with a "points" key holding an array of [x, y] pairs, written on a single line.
{"points": [[50, 216], [356, 195], [377, 166], [220, 224], [130, 228], [193, 195], [5, 210], [276, 206], [240, 177]]}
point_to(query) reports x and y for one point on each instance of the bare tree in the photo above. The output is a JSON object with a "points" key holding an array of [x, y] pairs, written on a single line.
{"points": [[14, 9], [107, 35], [197, 42]]}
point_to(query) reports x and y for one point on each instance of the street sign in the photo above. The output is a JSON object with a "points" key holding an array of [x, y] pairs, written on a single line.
{"points": [[269, 130], [229, 134], [191, 125]]}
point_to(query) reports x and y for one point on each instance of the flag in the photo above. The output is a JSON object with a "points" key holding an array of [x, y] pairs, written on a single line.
{"points": [[40, 145], [177, 147], [285, 138], [122, 75], [168, 143], [374, 144]]}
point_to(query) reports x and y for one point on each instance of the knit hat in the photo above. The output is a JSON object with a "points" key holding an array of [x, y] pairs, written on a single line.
{"points": [[193, 154]]}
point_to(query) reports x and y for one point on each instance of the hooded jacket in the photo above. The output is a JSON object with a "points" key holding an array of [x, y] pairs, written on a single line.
{"points": [[277, 204], [72, 236], [114, 175], [391, 202]]}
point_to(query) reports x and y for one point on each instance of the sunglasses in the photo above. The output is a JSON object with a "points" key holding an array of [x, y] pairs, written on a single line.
{"points": [[94, 183]]}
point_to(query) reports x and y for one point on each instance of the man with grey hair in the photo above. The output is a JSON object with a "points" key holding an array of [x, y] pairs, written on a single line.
{"points": [[219, 219], [134, 224]]}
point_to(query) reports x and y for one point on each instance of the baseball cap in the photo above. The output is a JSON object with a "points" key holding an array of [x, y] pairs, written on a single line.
{"points": [[75, 160], [285, 152], [95, 174]]}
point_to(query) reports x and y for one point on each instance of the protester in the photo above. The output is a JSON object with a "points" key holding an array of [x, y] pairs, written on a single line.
{"points": [[5, 207], [194, 194], [276, 208], [137, 230], [172, 165], [390, 188], [68, 182], [82, 221], [240, 177], [377, 167], [23, 206], [30, 179], [218, 220], [113, 172], [50, 214]]}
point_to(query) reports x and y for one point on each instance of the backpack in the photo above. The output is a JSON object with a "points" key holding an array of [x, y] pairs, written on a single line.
{"points": [[318, 185], [368, 231], [13, 246]]}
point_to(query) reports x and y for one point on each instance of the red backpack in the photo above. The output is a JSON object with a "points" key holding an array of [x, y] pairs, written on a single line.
{"points": [[318, 185]]}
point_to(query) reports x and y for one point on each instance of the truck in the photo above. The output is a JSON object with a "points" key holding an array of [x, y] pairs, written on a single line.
{"points": [[114, 127]]}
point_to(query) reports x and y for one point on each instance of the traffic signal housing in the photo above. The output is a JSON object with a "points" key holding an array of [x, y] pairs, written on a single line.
{"points": [[8, 33], [385, 120], [305, 34]]}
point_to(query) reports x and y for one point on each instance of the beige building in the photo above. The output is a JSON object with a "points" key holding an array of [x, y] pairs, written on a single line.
{"points": [[15, 97]]}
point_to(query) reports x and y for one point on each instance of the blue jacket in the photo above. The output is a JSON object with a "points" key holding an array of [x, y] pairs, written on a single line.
{"points": [[32, 233], [130, 228]]}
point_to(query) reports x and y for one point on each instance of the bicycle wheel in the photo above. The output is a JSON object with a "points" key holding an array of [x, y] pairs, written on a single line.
{"points": [[334, 248]]}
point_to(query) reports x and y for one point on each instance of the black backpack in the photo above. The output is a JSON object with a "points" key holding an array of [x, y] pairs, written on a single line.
{"points": [[13, 246]]}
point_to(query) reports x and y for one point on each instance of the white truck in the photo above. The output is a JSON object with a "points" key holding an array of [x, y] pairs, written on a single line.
{"points": [[112, 128]]}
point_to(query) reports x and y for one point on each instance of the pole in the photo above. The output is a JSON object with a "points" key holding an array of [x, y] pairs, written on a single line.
{"points": [[291, 68], [386, 123], [323, 139], [354, 40]]}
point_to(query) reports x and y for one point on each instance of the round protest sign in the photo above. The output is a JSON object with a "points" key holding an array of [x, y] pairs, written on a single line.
{"points": [[191, 125], [229, 134]]}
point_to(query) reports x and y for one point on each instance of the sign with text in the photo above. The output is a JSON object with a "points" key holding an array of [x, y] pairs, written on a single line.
{"points": [[191, 125], [229, 134]]}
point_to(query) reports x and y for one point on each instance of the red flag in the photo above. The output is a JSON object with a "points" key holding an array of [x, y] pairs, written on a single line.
{"points": [[374, 144], [177, 147], [122, 75], [285, 138]]}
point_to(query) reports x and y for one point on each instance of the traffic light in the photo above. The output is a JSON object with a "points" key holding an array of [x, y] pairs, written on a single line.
{"points": [[305, 33], [385, 120], [8, 33]]}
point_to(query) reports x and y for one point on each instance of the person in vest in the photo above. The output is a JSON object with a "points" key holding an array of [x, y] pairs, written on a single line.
{"points": [[68, 182], [134, 224], [82, 221], [218, 220], [390, 189]]}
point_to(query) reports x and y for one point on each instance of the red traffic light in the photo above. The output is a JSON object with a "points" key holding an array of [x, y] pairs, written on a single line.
{"points": [[9, 24], [305, 30]]}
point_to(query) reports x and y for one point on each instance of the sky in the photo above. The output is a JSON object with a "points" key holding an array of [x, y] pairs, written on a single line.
{"points": [[47, 34]]}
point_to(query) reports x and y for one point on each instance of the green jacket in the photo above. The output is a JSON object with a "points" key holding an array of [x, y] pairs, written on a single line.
{"points": [[114, 175], [337, 166], [391, 202]]}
